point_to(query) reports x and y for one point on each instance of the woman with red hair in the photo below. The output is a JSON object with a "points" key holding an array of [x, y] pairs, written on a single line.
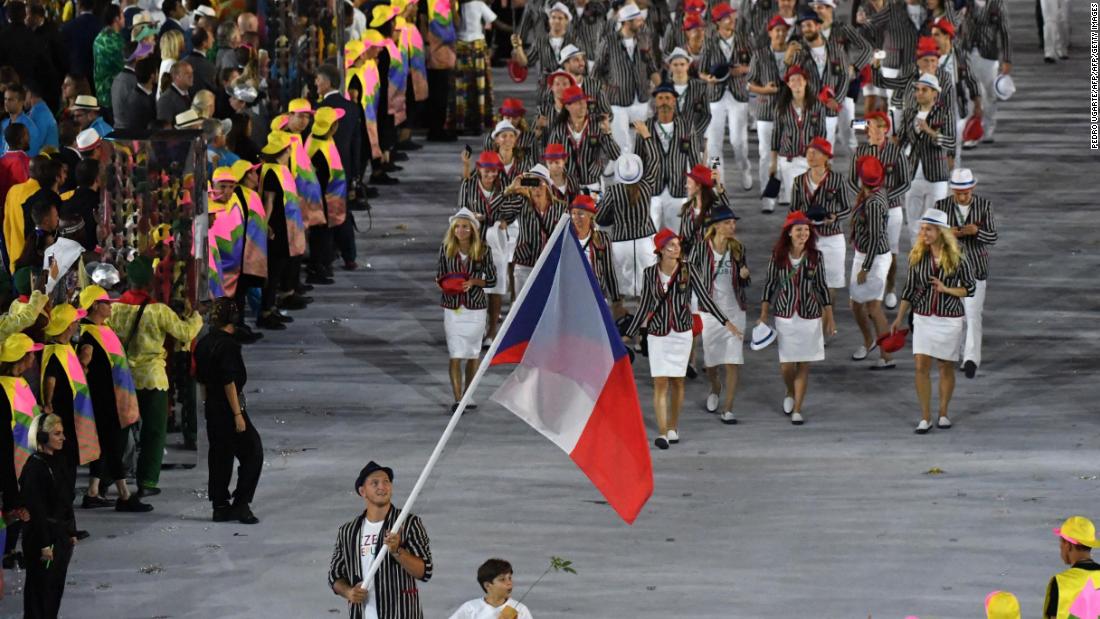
{"points": [[871, 259], [797, 291]]}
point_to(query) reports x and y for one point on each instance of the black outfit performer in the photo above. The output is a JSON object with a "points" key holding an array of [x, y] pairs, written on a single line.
{"points": [[47, 492]]}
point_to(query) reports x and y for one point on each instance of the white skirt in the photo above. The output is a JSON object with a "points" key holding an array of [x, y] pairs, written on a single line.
{"points": [[720, 347], [938, 337], [800, 340], [669, 354], [874, 286], [631, 258], [833, 249], [503, 244], [465, 329]]}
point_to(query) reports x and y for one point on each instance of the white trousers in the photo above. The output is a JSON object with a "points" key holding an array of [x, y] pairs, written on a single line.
{"points": [[985, 72], [844, 124], [622, 124], [830, 129], [895, 113], [973, 306], [788, 170], [922, 195], [764, 130], [631, 259], [1055, 27], [731, 113], [664, 210]]}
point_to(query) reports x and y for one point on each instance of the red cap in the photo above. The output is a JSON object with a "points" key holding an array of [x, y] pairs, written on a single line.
{"points": [[826, 95], [662, 239], [556, 74], [512, 107], [926, 46], [554, 151], [695, 7], [796, 218], [573, 94], [945, 26], [822, 145], [490, 159], [692, 21], [870, 170], [702, 174], [776, 21], [584, 202], [792, 71], [879, 114], [721, 10]]}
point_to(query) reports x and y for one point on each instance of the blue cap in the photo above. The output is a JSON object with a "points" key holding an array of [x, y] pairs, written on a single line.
{"points": [[721, 213], [664, 87], [808, 16]]}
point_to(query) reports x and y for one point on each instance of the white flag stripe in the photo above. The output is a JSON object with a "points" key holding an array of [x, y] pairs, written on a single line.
{"points": [[551, 403]]}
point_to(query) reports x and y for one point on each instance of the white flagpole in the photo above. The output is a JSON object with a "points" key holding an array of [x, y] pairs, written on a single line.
{"points": [[481, 369]]}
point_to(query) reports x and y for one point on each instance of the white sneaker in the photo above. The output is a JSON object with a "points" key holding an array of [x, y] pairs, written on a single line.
{"points": [[891, 301], [728, 418], [860, 354], [923, 427], [746, 179], [712, 403], [788, 405], [796, 419], [673, 436], [661, 442], [944, 423]]}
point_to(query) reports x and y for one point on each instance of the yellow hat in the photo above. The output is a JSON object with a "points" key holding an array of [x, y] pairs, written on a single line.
{"points": [[383, 13], [61, 317], [299, 106], [277, 142], [16, 346], [161, 234], [1002, 605], [325, 118], [224, 174], [91, 294], [242, 167], [352, 51], [279, 122], [1078, 530], [373, 38]]}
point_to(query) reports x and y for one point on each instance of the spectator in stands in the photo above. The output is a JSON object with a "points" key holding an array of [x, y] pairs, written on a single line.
{"points": [[107, 53], [79, 35], [176, 98]]}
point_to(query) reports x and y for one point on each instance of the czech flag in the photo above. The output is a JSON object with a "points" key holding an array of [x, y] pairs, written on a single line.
{"points": [[573, 381]]}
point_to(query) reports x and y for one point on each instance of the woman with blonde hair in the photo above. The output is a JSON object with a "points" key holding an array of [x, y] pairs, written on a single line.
{"points": [[203, 103], [171, 50], [720, 260], [939, 279], [465, 270]]}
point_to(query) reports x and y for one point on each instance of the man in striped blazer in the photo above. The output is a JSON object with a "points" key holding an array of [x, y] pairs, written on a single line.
{"points": [[629, 69], [725, 65], [898, 22], [928, 129], [971, 219], [667, 143], [752, 21], [574, 61], [859, 52], [545, 45], [393, 594], [990, 48]]}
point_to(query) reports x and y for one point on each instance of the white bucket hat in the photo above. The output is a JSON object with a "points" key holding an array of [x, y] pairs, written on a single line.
{"points": [[762, 337], [540, 171], [629, 12], [502, 126], [930, 81], [679, 52], [561, 8], [962, 178], [1004, 87], [568, 52], [936, 217], [628, 168], [463, 213]]}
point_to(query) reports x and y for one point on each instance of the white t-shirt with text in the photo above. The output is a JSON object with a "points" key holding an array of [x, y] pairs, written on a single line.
{"points": [[368, 540]]}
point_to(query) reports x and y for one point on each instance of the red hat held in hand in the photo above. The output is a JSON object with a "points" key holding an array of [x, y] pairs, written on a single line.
{"points": [[702, 174]]}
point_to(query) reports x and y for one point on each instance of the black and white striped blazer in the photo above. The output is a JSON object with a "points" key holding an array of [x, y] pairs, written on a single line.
{"points": [[629, 217], [835, 75], [693, 106], [869, 227], [714, 54], [663, 310], [703, 259], [764, 70], [975, 247], [627, 77], [597, 100], [488, 204], [898, 177], [792, 134], [534, 229], [673, 164], [928, 152], [541, 52], [987, 30], [905, 84], [587, 28], [395, 591], [899, 34], [922, 294], [752, 20], [693, 226], [597, 248], [482, 268], [589, 155], [831, 196], [857, 48], [801, 289]]}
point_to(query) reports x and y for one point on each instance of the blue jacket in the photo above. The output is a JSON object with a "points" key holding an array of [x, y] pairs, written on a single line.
{"points": [[43, 118], [32, 129]]}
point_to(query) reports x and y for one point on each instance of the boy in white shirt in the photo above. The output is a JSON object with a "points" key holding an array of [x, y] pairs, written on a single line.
{"points": [[495, 578]]}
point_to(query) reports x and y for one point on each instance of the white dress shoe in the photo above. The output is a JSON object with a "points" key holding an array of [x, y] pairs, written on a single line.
{"points": [[788, 405], [944, 423], [712, 403], [673, 436], [923, 427], [796, 419], [728, 418], [860, 354]]}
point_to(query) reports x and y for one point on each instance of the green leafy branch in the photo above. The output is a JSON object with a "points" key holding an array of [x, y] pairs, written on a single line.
{"points": [[557, 564]]}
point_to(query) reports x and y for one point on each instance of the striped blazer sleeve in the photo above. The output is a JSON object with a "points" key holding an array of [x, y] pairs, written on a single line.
{"points": [[416, 541], [647, 305], [706, 302]]}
